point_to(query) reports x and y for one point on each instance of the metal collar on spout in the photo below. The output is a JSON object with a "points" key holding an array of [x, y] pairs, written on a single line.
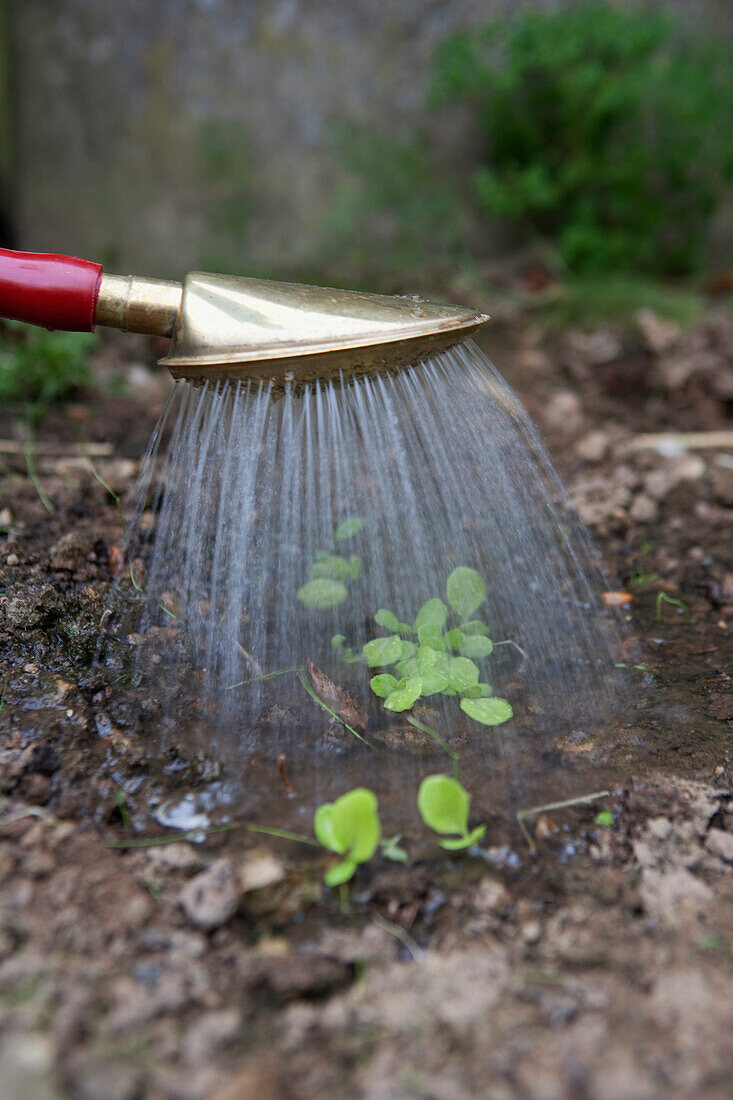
{"points": [[134, 303]]}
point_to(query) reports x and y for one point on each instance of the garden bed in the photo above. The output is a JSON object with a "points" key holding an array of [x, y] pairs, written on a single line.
{"points": [[597, 965]]}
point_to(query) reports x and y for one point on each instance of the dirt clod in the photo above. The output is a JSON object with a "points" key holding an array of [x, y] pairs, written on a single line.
{"points": [[210, 899]]}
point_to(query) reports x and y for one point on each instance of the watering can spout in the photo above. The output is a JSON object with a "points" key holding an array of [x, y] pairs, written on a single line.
{"points": [[230, 327]]}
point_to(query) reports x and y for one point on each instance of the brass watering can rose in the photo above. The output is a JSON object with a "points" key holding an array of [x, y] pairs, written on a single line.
{"points": [[231, 327]]}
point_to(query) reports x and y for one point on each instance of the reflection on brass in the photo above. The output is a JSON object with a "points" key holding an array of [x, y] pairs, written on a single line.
{"points": [[226, 327], [136, 304]]}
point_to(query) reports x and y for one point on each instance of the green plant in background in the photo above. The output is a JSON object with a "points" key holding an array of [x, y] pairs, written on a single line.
{"points": [[444, 804], [398, 213], [606, 130], [39, 368], [430, 660], [350, 827], [226, 157]]}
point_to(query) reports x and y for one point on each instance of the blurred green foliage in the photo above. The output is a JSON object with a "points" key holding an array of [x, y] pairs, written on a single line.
{"points": [[38, 367], [226, 159], [397, 215], [607, 130], [593, 300]]}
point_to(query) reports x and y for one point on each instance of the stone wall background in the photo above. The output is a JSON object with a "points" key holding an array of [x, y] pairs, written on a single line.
{"points": [[162, 135]]}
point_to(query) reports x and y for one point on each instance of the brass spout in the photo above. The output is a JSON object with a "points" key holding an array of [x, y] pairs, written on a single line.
{"points": [[228, 327]]}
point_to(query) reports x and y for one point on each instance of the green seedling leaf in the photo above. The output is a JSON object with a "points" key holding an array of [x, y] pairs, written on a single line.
{"points": [[475, 626], [390, 622], [383, 684], [349, 527], [406, 668], [382, 651], [469, 645], [345, 652], [443, 804], [432, 614], [478, 691], [323, 828], [405, 695], [433, 637], [489, 712], [409, 649], [350, 827], [463, 674], [322, 593], [356, 824], [432, 668], [433, 684], [391, 849], [464, 841], [337, 568], [476, 646], [465, 590], [605, 817], [340, 873]]}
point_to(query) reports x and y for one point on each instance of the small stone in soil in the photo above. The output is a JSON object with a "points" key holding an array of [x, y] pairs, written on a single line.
{"points": [[593, 447], [720, 843], [210, 899]]}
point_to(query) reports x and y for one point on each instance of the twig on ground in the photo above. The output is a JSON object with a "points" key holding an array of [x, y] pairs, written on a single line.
{"points": [[105, 485], [264, 676], [684, 441], [51, 450], [546, 807], [317, 699], [28, 454], [153, 842], [282, 834], [436, 737], [400, 934]]}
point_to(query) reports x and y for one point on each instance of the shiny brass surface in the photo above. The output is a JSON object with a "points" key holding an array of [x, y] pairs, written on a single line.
{"points": [[224, 326], [232, 327], [134, 303]]}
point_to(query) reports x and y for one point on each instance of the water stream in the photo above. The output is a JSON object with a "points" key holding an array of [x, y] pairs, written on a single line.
{"points": [[285, 523]]}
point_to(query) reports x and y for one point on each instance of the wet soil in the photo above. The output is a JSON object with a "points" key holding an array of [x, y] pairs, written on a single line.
{"points": [[577, 959]]}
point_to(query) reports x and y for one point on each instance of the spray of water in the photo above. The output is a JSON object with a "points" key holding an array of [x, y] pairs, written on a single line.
{"points": [[283, 525]]}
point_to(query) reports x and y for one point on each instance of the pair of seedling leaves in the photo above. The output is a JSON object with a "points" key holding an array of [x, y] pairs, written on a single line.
{"points": [[430, 660], [350, 826], [331, 572]]}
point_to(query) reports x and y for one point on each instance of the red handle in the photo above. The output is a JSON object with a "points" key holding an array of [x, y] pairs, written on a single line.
{"points": [[52, 291]]}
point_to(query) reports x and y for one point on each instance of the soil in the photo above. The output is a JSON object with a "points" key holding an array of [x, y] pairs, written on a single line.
{"points": [[577, 959]]}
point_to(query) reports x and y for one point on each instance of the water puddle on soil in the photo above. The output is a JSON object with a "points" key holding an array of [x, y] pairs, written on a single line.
{"points": [[408, 527]]}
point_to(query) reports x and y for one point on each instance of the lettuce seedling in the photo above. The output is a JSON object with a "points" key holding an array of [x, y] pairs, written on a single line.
{"points": [[442, 661], [443, 804], [350, 827]]}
